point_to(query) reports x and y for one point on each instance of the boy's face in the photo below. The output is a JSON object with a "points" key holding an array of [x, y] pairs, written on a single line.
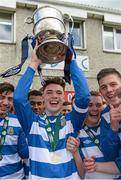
{"points": [[53, 99], [95, 108], [66, 109], [37, 104], [108, 86], [6, 103]]}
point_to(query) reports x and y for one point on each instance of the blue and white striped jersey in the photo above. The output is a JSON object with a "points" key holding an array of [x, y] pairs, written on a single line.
{"points": [[13, 150], [88, 148], [41, 161]]}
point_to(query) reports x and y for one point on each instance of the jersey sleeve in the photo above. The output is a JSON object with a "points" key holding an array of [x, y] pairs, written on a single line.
{"points": [[109, 141], [20, 99], [23, 150], [82, 96]]}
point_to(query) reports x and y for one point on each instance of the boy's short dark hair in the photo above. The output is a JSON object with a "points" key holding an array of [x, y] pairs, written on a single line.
{"points": [[107, 71], [54, 80], [5, 86], [34, 93]]}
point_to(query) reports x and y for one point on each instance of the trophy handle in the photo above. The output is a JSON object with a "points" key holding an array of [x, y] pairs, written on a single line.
{"points": [[68, 18], [29, 20]]}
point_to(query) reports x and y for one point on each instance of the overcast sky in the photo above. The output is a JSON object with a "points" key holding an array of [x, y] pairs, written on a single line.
{"points": [[102, 3]]}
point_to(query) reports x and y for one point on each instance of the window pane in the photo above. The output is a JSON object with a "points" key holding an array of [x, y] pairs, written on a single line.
{"points": [[7, 18], [109, 43], [108, 29], [76, 34], [118, 38], [6, 30], [108, 38]]}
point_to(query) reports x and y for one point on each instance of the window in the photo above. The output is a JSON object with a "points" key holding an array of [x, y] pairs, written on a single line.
{"points": [[118, 37], [78, 33], [6, 27], [112, 38]]}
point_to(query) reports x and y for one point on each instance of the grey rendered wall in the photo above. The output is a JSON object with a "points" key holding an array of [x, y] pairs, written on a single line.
{"points": [[10, 53]]}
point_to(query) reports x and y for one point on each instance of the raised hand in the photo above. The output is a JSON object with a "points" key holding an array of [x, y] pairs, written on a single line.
{"points": [[118, 92], [72, 144], [89, 164], [34, 60], [115, 117]]}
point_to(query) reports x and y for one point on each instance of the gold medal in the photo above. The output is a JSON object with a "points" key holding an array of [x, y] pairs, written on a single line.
{"points": [[55, 158]]}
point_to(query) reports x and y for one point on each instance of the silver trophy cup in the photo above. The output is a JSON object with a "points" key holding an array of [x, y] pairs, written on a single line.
{"points": [[49, 29]]}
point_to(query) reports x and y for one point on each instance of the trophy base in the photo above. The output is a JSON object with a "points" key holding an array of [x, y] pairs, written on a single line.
{"points": [[52, 51]]}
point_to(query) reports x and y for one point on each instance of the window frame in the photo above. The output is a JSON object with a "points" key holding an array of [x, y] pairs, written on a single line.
{"points": [[13, 27], [115, 50], [82, 33]]}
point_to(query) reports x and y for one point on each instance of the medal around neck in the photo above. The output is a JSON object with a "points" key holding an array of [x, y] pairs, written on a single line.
{"points": [[55, 158], [3, 135]]}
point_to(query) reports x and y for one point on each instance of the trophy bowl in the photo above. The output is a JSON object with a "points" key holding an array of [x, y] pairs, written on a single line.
{"points": [[50, 32], [52, 51]]}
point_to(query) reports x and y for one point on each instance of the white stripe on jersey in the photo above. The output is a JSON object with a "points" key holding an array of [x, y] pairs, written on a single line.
{"points": [[73, 176], [83, 134], [80, 110], [37, 130], [92, 151], [46, 157], [11, 140], [101, 176], [14, 122], [10, 159]]}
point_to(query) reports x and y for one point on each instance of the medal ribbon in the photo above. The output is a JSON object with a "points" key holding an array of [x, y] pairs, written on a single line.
{"points": [[53, 135], [4, 133], [91, 135]]}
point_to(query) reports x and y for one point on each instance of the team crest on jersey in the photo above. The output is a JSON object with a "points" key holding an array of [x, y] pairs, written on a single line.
{"points": [[10, 131], [87, 141]]}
